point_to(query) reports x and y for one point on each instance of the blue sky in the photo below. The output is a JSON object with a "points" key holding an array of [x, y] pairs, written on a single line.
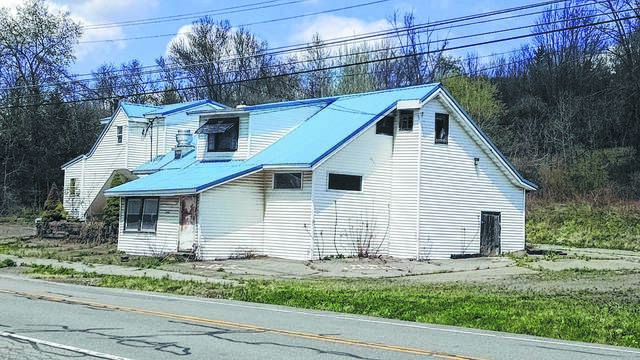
{"points": [[91, 54]]}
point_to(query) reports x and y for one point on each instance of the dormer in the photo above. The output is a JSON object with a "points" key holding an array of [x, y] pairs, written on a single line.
{"points": [[223, 135]]}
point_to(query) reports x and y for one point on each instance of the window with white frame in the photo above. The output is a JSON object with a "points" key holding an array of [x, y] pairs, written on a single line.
{"points": [[119, 132], [442, 128], [345, 182], [284, 181], [141, 214]]}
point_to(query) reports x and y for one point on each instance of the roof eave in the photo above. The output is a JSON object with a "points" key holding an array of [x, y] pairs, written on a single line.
{"points": [[166, 192], [73, 161]]}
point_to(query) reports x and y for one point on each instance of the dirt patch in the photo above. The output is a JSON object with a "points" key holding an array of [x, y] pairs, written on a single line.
{"points": [[16, 230]]}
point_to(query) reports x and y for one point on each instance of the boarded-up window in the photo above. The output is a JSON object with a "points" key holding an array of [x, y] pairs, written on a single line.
{"points": [[141, 214], [287, 181], [406, 120], [442, 128], [345, 182], [385, 126], [119, 134], [72, 187], [222, 134]]}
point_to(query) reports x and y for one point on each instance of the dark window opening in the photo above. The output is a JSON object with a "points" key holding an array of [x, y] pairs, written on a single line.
{"points": [[141, 214], [385, 125], [442, 128], [72, 187], [119, 134], [406, 120], [287, 181], [345, 182], [222, 135]]}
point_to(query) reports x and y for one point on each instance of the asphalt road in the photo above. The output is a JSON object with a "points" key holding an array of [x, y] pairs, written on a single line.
{"points": [[43, 320]]}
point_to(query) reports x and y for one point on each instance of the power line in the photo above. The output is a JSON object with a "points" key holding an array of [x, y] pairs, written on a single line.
{"points": [[338, 41], [219, 11], [247, 24], [334, 66], [368, 51]]}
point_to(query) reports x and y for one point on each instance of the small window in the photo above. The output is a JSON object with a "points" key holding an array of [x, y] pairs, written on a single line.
{"points": [[119, 134], [406, 120], [287, 181], [442, 128], [72, 187], [345, 182], [222, 134], [141, 214], [385, 126]]}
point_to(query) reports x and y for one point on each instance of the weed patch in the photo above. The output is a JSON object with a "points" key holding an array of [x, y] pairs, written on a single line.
{"points": [[584, 225]]}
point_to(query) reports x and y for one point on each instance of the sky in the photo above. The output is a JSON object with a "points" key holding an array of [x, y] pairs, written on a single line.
{"points": [[115, 43]]}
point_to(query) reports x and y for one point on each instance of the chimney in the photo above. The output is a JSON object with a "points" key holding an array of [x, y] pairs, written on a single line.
{"points": [[184, 140]]}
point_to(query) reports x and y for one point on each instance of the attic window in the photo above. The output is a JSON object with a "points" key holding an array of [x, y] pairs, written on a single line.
{"points": [[406, 120], [119, 134], [222, 134], [385, 126], [442, 128], [141, 214], [287, 181]]}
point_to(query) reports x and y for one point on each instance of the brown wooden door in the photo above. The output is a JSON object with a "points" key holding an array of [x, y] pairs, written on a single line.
{"points": [[490, 234]]}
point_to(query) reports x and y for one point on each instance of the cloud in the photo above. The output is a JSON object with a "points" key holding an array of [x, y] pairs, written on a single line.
{"points": [[182, 32], [332, 26]]}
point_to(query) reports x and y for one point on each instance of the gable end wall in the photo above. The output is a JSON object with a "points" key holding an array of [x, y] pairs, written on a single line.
{"points": [[454, 192]]}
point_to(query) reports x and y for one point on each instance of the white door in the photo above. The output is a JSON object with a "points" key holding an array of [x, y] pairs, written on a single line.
{"points": [[188, 216]]}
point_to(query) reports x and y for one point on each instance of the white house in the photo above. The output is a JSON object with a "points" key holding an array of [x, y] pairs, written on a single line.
{"points": [[402, 172], [132, 136]]}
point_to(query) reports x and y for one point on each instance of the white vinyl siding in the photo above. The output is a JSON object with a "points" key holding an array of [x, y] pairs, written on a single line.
{"points": [[404, 186], [369, 156], [163, 241], [286, 212], [454, 192], [73, 203], [230, 218], [108, 156], [134, 151]]}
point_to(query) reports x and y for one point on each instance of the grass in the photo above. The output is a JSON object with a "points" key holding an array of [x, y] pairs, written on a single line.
{"points": [[600, 317], [584, 225], [106, 254]]}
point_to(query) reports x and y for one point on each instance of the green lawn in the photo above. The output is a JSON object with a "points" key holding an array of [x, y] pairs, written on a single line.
{"points": [[600, 317]]}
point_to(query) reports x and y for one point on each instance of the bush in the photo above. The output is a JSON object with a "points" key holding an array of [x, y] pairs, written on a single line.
{"points": [[53, 208], [7, 263]]}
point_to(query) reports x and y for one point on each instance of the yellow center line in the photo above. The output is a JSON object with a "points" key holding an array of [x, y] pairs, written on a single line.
{"points": [[243, 326]]}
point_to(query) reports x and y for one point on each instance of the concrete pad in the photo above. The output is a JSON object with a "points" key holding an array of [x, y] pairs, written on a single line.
{"points": [[566, 264]]}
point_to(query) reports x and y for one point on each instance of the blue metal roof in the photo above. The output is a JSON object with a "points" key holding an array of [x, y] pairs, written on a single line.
{"points": [[324, 131], [316, 137], [142, 110], [167, 161], [139, 111]]}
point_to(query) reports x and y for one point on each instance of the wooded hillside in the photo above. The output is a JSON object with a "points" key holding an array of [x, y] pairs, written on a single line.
{"points": [[564, 107]]}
